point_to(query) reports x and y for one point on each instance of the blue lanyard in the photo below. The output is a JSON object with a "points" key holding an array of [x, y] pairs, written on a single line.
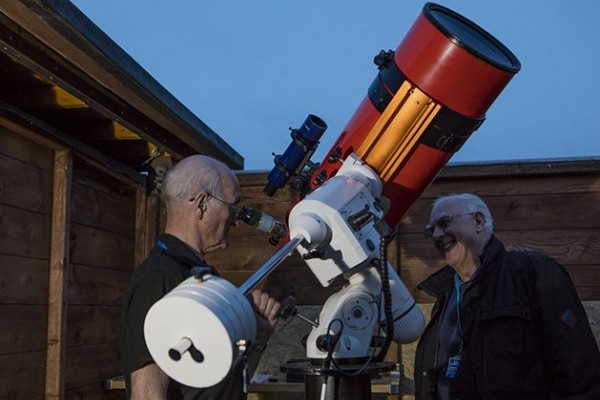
{"points": [[457, 284]]}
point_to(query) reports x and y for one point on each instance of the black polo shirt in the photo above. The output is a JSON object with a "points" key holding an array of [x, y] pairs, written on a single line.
{"points": [[168, 264]]}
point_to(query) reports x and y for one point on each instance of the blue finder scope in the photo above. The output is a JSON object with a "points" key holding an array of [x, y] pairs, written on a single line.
{"points": [[304, 143]]}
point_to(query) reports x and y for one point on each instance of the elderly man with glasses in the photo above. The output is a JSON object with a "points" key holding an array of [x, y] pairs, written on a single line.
{"points": [[200, 194], [506, 324]]}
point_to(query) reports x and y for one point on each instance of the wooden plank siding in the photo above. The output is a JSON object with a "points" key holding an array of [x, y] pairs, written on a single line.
{"points": [[72, 231], [102, 259], [25, 216], [552, 207], [100, 244], [149, 222], [249, 249], [548, 206]]}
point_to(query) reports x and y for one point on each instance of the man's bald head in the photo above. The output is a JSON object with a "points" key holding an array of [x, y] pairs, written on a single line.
{"points": [[193, 174]]}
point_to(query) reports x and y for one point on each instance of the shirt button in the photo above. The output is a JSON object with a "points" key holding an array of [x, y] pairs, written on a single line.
{"points": [[424, 373]]}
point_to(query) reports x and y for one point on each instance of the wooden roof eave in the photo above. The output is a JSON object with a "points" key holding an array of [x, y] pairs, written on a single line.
{"points": [[93, 66], [20, 122], [527, 167]]}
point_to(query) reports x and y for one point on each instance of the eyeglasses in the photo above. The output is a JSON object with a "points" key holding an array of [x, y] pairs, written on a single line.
{"points": [[443, 223], [233, 210]]}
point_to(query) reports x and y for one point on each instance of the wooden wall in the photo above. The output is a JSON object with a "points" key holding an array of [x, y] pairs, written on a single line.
{"points": [[249, 249], [100, 249], [548, 206], [552, 206], [102, 259], [25, 214]]}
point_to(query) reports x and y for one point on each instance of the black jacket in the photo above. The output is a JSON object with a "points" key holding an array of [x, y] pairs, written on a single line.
{"points": [[168, 264], [526, 334]]}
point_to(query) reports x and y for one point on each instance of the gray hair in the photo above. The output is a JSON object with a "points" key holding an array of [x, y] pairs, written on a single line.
{"points": [[191, 175], [471, 204]]}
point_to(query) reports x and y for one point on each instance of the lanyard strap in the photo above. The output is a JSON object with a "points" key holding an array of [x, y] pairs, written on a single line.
{"points": [[457, 284]]}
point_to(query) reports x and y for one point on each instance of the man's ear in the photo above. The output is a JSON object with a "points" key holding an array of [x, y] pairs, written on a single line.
{"points": [[480, 219], [199, 204]]}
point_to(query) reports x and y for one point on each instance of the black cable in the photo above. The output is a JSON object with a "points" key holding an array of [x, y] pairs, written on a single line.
{"points": [[330, 360], [334, 341], [329, 357], [387, 296]]}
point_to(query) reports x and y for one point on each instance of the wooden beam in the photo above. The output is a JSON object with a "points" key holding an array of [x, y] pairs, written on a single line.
{"points": [[140, 248], [124, 149], [59, 265], [42, 97], [147, 224], [99, 130], [80, 57], [154, 221], [26, 124], [118, 131], [519, 168]]}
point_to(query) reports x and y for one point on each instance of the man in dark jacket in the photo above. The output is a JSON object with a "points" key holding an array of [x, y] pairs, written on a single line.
{"points": [[505, 325]]}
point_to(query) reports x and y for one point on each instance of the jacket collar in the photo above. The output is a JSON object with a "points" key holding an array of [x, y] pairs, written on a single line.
{"points": [[439, 282], [491, 251], [178, 250]]}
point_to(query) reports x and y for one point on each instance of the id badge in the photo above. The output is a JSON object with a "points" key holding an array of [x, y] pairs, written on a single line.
{"points": [[453, 364]]}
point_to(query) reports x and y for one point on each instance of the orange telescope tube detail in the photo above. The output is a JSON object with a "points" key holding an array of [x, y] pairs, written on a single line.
{"points": [[429, 96]]}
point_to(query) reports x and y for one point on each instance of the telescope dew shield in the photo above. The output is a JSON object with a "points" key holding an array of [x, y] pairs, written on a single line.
{"points": [[429, 96], [304, 142]]}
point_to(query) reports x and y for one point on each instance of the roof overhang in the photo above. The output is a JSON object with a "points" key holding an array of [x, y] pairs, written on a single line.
{"points": [[72, 77]]}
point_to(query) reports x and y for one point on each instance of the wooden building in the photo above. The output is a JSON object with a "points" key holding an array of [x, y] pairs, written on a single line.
{"points": [[83, 132], [546, 205]]}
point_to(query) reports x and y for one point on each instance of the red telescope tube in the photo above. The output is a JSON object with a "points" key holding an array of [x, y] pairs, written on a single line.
{"points": [[429, 96]]}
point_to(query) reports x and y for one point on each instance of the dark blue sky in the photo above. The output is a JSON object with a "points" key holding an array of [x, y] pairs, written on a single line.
{"points": [[251, 69]]}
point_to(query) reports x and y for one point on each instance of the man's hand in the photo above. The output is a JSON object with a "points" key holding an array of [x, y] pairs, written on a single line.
{"points": [[267, 311], [149, 383]]}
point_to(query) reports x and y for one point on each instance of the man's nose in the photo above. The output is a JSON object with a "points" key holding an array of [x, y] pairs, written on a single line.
{"points": [[437, 232]]}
